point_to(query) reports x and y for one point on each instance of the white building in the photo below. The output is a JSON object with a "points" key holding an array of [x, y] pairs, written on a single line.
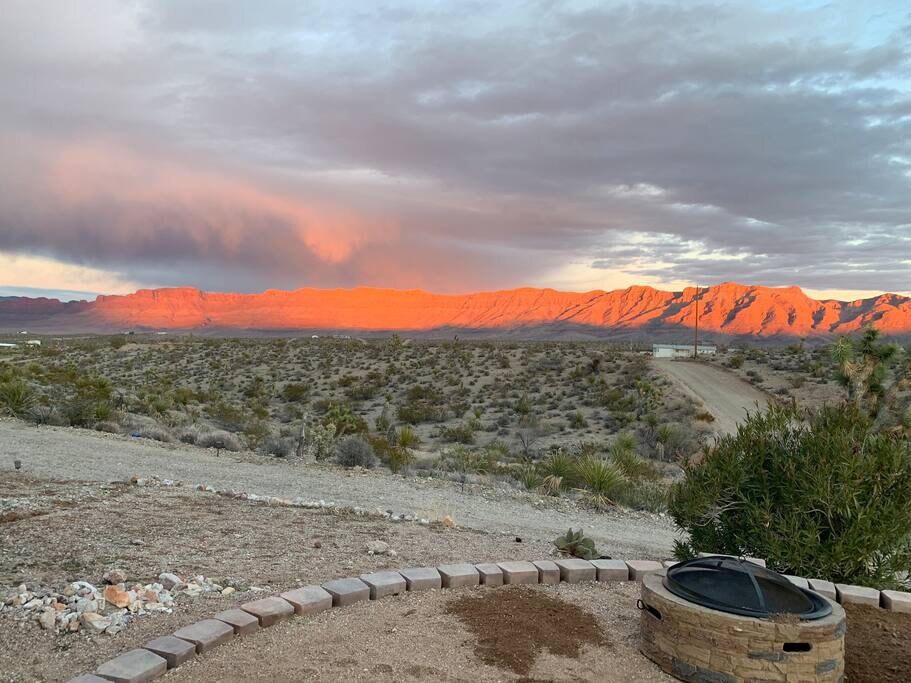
{"points": [[33, 342], [6, 345], [682, 350]]}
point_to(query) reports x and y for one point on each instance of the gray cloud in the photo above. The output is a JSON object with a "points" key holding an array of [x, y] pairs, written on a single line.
{"points": [[465, 145]]}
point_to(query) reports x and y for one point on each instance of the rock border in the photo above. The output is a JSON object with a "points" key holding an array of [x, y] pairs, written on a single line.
{"points": [[167, 652]]}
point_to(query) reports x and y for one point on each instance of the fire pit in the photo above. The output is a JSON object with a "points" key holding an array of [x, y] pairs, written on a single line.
{"points": [[724, 619]]}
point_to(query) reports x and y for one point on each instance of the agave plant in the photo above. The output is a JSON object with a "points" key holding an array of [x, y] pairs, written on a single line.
{"points": [[575, 544]]}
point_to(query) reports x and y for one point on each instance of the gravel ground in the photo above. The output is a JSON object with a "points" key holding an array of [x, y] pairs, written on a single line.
{"points": [[148, 530], [411, 638], [66, 453]]}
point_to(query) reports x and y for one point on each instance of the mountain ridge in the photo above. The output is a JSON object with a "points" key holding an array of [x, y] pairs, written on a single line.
{"points": [[728, 310]]}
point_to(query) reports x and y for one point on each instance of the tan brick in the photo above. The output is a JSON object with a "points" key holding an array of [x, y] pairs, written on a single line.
{"points": [[269, 610], [639, 568], [548, 571], [576, 570], [174, 650], [384, 583], [422, 578], [135, 666], [611, 570], [206, 634], [308, 599], [896, 601], [347, 591], [519, 572], [242, 622], [860, 595], [489, 574], [458, 575]]}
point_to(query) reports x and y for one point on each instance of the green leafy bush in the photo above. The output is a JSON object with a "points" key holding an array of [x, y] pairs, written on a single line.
{"points": [[576, 544], [817, 494], [599, 481]]}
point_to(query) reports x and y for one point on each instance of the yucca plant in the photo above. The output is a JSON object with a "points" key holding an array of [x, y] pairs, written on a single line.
{"points": [[633, 466], [529, 477], [576, 544], [560, 469], [16, 398], [599, 481]]}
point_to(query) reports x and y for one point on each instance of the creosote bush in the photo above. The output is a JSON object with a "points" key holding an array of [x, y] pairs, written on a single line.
{"points": [[818, 494]]}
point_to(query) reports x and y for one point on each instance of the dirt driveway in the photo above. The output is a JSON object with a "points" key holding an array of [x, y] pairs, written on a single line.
{"points": [[726, 397], [77, 454]]}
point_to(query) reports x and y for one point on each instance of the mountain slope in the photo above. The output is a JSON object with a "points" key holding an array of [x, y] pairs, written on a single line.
{"points": [[728, 309]]}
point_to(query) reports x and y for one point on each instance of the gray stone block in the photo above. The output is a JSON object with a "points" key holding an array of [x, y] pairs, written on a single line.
{"points": [[798, 581], [896, 601], [135, 666], [422, 578], [242, 622], [639, 568], [858, 595], [823, 587], [611, 570], [308, 599], [576, 570], [548, 571], [269, 610], [347, 591], [174, 650], [384, 583], [206, 634], [489, 574], [519, 572], [458, 575]]}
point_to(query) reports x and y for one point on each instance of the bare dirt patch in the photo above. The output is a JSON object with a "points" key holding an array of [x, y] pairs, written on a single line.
{"points": [[145, 531], [413, 638], [877, 645], [514, 625]]}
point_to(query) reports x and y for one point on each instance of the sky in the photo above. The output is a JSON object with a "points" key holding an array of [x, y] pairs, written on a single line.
{"points": [[454, 146]]}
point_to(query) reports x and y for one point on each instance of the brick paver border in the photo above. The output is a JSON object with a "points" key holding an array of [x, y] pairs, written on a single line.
{"points": [[153, 659]]}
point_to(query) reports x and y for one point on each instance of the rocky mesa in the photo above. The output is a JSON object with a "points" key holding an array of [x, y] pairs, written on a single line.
{"points": [[727, 310]]}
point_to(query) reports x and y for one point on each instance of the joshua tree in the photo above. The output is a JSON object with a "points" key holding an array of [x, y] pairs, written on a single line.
{"points": [[862, 369]]}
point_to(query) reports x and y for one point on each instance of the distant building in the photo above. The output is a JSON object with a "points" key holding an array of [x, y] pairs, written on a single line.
{"points": [[682, 350], [6, 345], [33, 342]]}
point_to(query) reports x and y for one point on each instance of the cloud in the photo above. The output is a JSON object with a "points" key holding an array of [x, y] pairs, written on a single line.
{"points": [[458, 147]]}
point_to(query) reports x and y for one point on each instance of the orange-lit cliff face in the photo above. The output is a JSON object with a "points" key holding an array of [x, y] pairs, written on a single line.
{"points": [[728, 309]]}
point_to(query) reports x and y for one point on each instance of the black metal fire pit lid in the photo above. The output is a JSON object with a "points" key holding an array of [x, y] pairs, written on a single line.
{"points": [[741, 587]]}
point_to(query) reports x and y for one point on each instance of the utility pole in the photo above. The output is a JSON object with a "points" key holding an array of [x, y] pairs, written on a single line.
{"points": [[696, 326]]}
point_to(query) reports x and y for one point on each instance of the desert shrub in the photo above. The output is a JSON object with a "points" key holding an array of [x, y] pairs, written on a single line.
{"points": [[220, 440], [188, 435], [577, 420], [460, 433], [815, 493], [280, 448], [354, 451], [16, 398], [295, 391], [156, 433], [644, 495], [736, 361], [576, 544], [46, 415], [108, 426]]}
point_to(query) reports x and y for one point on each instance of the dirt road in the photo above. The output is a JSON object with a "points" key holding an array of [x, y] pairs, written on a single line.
{"points": [[726, 397], [76, 454]]}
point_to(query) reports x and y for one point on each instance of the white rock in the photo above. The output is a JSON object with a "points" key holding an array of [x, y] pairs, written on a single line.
{"points": [[170, 581], [377, 548], [47, 619]]}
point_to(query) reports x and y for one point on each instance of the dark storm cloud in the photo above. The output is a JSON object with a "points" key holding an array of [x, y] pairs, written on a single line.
{"points": [[460, 145]]}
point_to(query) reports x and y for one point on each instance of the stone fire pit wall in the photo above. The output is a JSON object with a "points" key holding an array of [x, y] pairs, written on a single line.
{"points": [[698, 644]]}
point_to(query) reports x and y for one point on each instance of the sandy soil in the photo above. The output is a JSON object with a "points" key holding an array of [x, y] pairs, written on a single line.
{"points": [[66, 453], [412, 638], [726, 397]]}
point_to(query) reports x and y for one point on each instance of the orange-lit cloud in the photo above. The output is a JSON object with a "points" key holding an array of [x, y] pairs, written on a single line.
{"points": [[209, 206]]}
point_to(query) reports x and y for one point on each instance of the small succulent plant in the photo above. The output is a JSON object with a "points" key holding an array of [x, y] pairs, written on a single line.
{"points": [[575, 544]]}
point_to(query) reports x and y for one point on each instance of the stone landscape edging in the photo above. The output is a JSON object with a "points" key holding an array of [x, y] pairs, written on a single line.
{"points": [[156, 657]]}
